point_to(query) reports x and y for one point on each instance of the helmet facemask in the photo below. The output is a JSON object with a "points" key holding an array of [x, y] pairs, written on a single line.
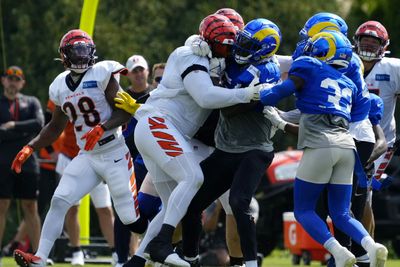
{"points": [[370, 51], [78, 57]]}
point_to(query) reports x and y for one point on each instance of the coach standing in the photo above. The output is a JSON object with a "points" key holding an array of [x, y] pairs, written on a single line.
{"points": [[21, 118]]}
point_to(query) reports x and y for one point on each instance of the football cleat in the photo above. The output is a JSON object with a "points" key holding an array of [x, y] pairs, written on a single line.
{"points": [[25, 259]]}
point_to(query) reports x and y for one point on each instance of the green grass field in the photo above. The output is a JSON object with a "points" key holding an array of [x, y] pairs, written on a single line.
{"points": [[279, 258]]}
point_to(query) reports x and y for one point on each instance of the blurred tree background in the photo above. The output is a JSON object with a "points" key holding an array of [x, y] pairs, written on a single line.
{"points": [[31, 30]]}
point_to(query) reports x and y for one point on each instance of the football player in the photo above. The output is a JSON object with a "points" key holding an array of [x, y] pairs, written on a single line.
{"points": [[327, 99], [239, 154], [172, 115], [84, 95]]}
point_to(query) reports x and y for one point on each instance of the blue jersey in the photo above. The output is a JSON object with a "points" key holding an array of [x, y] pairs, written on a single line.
{"points": [[355, 72], [325, 90], [238, 76], [376, 111]]}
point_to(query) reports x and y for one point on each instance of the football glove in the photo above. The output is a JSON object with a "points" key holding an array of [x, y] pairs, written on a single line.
{"points": [[254, 91], [199, 46], [20, 158], [126, 102], [272, 115], [93, 136]]}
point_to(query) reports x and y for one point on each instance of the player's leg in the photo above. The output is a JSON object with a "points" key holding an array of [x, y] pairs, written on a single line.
{"points": [[252, 166], [311, 179], [339, 197], [73, 228], [101, 199], [165, 147], [79, 178], [116, 168], [72, 225], [232, 235], [218, 176]]}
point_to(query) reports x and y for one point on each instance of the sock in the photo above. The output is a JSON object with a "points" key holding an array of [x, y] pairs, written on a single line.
{"points": [[166, 232], [235, 261], [367, 243], [332, 245], [76, 249], [251, 263]]}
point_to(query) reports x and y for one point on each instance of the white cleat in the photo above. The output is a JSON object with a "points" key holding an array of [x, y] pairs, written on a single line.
{"points": [[378, 255], [78, 259], [114, 259], [174, 260], [345, 258]]}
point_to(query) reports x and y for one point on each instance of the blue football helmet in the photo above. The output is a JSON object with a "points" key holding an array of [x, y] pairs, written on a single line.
{"points": [[323, 21], [259, 39], [331, 47]]}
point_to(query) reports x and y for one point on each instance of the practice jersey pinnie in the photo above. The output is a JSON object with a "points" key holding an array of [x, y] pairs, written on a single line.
{"points": [[325, 90], [86, 105]]}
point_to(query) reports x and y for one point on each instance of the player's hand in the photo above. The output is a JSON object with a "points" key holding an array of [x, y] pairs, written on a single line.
{"points": [[199, 46], [126, 102], [273, 116], [92, 137], [217, 67], [254, 91], [20, 158]]}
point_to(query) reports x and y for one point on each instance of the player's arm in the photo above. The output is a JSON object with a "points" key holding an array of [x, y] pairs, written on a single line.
{"points": [[380, 146], [50, 131], [199, 85], [46, 137], [118, 116], [277, 121], [271, 97]]}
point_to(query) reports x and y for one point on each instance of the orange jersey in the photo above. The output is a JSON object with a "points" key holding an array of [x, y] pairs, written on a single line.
{"points": [[67, 139], [48, 156], [68, 145]]}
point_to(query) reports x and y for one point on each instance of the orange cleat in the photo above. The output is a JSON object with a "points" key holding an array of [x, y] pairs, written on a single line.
{"points": [[25, 259]]}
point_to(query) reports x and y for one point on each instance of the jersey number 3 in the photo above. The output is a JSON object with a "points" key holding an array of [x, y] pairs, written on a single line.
{"points": [[344, 93]]}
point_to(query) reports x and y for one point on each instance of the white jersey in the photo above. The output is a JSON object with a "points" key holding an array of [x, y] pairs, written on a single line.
{"points": [[384, 80], [86, 105], [184, 105]]}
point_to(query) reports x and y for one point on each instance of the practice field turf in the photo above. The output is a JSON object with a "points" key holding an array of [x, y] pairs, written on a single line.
{"points": [[279, 258]]}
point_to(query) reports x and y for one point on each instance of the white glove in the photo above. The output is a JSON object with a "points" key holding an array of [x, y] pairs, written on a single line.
{"points": [[217, 67], [198, 46], [272, 115], [254, 91]]}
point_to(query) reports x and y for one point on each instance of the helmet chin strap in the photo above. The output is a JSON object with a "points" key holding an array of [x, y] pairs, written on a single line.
{"points": [[78, 71]]}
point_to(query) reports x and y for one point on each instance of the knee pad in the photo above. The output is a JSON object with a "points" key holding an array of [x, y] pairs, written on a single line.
{"points": [[60, 203]]}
